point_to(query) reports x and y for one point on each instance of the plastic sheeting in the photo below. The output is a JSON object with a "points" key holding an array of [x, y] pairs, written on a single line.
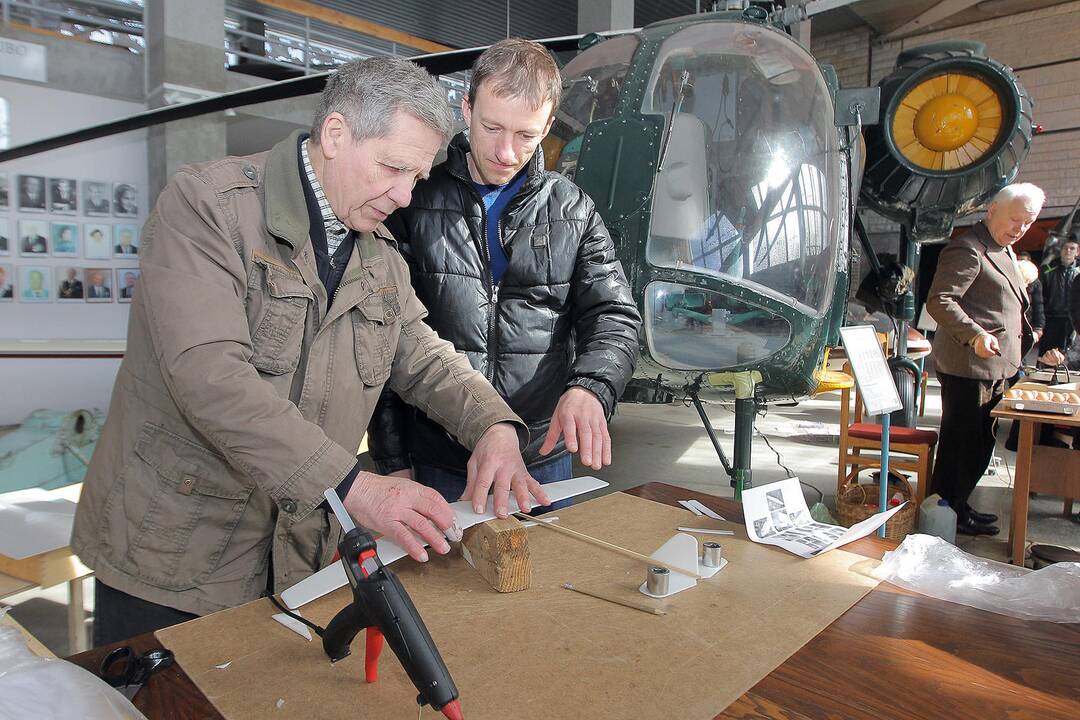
{"points": [[930, 566], [48, 689]]}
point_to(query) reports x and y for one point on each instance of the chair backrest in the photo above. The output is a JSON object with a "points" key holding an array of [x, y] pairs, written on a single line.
{"points": [[846, 416]]}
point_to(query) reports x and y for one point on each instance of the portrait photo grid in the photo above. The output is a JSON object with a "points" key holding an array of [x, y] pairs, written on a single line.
{"points": [[68, 240]]}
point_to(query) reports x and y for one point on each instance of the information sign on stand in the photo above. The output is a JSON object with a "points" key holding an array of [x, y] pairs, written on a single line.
{"points": [[877, 389], [876, 385]]}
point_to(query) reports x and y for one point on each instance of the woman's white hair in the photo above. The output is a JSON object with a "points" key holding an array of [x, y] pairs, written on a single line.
{"points": [[1032, 195]]}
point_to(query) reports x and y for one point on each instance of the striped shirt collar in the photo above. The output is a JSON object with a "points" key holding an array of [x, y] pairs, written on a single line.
{"points": [[335, 229]]}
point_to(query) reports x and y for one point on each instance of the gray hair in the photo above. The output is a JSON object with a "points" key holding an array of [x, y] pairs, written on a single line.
{"points": [[1032, 195], [368, 93]]}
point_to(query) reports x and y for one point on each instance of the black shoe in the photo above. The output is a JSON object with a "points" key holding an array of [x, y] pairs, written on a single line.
{"points": [[969, 526], [981, 518]]}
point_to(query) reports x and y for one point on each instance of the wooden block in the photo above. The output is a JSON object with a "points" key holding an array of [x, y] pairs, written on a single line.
{"points": [[499, 550]]}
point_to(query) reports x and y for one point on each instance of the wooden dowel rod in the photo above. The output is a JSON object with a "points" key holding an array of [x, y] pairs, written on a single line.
{"points": [[613, 548], [625, 603]]}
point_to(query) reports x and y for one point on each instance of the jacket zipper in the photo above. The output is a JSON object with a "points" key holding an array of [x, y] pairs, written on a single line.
{"points": [[485, 255]]}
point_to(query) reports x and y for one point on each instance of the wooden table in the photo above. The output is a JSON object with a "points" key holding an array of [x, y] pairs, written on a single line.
{"points": [[52, 568], [1039, 468], [894, 654]]}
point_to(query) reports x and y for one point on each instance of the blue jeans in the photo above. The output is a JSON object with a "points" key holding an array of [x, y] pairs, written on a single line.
{"points": [[450, 485]]}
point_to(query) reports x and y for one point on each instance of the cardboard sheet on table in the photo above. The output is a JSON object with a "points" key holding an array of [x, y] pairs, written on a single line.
{"points": [[544, 652]]}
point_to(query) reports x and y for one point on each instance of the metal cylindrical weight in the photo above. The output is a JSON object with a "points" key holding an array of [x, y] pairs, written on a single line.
{"points": [[657, 580], [710, 554]]}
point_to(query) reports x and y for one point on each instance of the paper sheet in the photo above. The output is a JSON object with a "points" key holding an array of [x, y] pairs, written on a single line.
{"points": [[332, 576], [33, 522], [776, 514]]}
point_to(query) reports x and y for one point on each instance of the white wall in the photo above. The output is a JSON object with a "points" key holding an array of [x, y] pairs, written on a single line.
{"points": [[36, 112]]}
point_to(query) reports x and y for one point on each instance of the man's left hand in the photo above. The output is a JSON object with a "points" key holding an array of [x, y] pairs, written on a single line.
{"points": [[579, 417], [1052, 357], [496, 464]]}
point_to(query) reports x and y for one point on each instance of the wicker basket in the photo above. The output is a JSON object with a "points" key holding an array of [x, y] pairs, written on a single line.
{"points": [[858, 501]]}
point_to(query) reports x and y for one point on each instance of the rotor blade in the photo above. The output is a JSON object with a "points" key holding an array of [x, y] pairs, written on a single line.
{"points": [[444, 63]]}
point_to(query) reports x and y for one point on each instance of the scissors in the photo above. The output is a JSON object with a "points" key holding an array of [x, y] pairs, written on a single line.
{"points": [[128, 672]]}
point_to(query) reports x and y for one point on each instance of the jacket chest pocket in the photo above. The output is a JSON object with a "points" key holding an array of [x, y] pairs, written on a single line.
{"points": [[194, 504], [278, 306], [375, 328]]}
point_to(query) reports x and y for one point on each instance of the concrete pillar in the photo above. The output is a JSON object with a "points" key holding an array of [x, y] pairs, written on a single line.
{"points": [[801, 32], [599, 15], [185, 60]]}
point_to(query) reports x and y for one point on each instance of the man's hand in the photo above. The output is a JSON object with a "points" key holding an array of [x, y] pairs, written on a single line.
{"points": [[986, 346], [403, 473], [496, 463], [401, 509], [579, 417], [1052, 357]]}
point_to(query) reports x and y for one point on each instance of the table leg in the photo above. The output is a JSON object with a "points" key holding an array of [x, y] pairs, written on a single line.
{"points": [[76, 617], [1018, 521]]}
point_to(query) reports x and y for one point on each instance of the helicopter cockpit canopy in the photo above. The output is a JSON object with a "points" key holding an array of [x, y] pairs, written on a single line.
{"points": [[749, 187], [747, 204]]}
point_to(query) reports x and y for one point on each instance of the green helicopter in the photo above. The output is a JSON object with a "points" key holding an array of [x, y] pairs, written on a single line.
{"points": [[728, 165]]}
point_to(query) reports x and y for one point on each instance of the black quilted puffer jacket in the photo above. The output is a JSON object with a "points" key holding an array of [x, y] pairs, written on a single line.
{"points": [[562, 316]]}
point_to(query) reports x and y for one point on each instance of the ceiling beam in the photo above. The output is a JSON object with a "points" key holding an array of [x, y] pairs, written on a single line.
{"points": [[942, 11]]}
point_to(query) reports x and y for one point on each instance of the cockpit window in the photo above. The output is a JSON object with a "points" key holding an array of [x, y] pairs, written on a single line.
{"points": [[591, 85], [749, 187]]}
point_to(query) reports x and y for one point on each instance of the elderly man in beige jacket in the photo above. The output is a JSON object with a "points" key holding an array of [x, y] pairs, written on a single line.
{"points": [[272, 308], [979, 301]]}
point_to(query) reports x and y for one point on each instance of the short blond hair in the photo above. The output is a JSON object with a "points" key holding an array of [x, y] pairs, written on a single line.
{"points": [[517, 67]]}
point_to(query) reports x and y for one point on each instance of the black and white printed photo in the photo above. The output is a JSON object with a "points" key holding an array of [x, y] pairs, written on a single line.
{"points": [[97, 241], [5, 192], [127, 240], [95, 198], [70, 286], [33, 237], [99, 287], [62, 196], [125, 202], [32, 193], [5, 237], [7, 283], [127, 279]]}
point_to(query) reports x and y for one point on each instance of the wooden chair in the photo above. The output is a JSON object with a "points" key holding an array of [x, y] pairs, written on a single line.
{"points": [[910, 449]]}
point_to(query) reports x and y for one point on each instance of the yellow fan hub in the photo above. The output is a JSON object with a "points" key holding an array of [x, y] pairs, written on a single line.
{"points": [[946, 123]]}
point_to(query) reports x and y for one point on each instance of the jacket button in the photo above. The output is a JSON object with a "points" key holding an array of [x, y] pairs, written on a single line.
{"points": [[249, 172], [288, 505]]}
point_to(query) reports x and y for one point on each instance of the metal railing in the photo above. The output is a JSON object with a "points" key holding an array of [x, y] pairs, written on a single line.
{"points": [[294, 42], [288, 41], [110, 22]]}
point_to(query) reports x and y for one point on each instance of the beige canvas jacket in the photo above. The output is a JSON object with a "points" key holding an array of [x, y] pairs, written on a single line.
{"points": [[241, 398]]}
